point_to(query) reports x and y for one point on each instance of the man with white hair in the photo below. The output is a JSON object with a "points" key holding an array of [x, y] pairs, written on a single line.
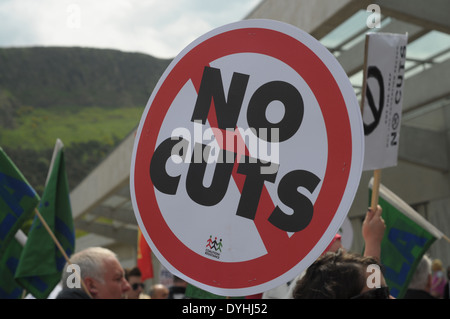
{"points": [[102, 276], [420, 284]]}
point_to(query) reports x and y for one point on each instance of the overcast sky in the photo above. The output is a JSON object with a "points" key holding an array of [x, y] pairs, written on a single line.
{"points": [[161, 28]]}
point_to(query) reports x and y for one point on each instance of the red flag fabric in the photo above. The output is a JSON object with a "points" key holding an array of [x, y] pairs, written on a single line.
{"points": [[144, 257]]}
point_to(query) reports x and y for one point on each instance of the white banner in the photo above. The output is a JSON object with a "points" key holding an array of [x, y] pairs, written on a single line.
{"points": [[383, 96]]}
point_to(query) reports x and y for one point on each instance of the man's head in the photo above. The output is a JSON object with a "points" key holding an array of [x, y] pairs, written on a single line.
{"points": [[134, 278], [101, 272], [421, 280], [159, 291]]}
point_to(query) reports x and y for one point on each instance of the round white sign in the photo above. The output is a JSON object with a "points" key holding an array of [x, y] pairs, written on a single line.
{"points": [[247, 157]]}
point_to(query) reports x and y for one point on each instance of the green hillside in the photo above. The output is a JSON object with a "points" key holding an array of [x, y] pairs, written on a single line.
{"points": [[38, 128], [89, 98], [78, 77]]}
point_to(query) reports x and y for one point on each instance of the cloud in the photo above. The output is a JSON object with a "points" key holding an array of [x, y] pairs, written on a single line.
{"points": [[159, 28]]}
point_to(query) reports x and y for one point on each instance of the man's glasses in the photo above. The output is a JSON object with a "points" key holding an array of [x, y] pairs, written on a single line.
{"points": [[136, 286]]}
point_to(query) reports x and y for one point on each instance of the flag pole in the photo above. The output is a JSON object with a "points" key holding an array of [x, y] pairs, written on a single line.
{"points": [[446, 238], [55, 240], [375, 189], [377, 172]]}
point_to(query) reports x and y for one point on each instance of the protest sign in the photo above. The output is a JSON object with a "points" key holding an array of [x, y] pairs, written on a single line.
{"points": [[382, 98], [247, 157]]}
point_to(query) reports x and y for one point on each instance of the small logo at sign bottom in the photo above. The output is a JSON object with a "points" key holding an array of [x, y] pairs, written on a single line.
{"points": [[213, 247]]}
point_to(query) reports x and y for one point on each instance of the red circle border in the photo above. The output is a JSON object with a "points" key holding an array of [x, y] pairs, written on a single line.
{"points": [[258, 271]]}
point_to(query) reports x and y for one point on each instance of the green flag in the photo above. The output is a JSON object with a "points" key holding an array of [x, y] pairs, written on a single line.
{"points": [[9, 288], [17, 200], [41, 262], [194, 292], [17, 203], [407, 237]]}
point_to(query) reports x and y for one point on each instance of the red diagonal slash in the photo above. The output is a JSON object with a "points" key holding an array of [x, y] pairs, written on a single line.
{"points": [[272, 237]]}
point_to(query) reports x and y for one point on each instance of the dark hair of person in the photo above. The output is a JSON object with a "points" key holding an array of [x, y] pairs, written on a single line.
{"points": [[340, 275], [132, 272]]}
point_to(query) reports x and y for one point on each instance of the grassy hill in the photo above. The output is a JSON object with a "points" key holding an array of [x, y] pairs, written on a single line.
{"points": [[89, 98]]}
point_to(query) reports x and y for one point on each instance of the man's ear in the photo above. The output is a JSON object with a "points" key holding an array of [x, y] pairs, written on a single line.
{"points": [[91, 285]]}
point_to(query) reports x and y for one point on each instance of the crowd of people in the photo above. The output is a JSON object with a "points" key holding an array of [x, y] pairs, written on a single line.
{"points": [[336, 274]]}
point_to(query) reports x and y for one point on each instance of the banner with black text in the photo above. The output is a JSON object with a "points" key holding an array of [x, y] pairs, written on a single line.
{"points": [[382, 98]]}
